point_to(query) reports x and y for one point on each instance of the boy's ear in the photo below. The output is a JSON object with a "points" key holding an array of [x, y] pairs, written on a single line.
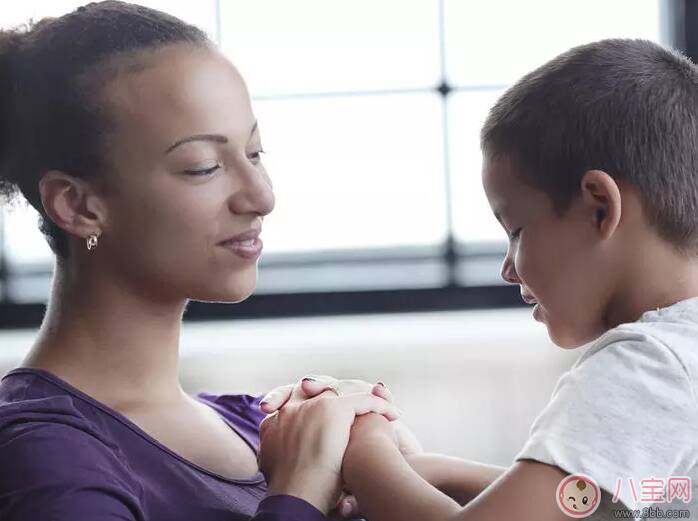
{"points": [[601, 195]]}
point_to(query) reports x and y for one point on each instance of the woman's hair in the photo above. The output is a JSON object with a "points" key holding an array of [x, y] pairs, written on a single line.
{"points": [[52, 76]]}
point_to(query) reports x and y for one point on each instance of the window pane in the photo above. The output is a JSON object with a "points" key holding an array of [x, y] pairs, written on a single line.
{"points": [[24, 243], [472, 217], [496, 42], [332, 45], [354, 171]]}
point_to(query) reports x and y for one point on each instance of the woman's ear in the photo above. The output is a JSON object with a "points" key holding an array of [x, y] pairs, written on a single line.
{"points": [[71, 203], [601, 195]]}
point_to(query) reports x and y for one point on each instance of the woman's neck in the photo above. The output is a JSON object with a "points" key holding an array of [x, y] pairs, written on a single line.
{"points": [[110, 342]]}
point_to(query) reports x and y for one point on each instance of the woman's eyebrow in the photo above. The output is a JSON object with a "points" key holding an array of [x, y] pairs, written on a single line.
{"points": [[217, 138]]}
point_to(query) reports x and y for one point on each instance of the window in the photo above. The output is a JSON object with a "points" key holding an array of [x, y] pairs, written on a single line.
{"points": [[370, 114]]}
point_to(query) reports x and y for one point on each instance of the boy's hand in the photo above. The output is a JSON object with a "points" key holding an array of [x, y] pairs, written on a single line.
{"points": [[368, 432], [372, 428]]}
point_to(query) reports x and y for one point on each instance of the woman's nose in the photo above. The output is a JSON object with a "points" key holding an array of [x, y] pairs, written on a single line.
{"points": [[254, 193], [508, 270]]}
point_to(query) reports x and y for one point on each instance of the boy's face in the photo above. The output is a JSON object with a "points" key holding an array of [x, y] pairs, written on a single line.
{"points": [[557, 261]]}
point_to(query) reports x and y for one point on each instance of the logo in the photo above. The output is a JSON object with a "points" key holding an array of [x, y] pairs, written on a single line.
{"points": [[578, 495]]}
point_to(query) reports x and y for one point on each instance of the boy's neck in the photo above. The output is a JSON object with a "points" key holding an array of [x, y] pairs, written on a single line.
{"points": [[654, 276]]}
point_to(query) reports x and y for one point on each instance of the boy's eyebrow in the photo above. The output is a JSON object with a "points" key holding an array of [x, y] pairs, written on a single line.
{"points": [[498, 215], [217, 138]]}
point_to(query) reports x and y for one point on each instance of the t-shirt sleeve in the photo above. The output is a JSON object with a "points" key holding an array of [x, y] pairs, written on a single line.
{"points": [[627, 411], [58, 472]]}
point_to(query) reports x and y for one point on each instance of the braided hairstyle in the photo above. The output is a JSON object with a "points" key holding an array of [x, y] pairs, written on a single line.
{"points": [[52, 75]]}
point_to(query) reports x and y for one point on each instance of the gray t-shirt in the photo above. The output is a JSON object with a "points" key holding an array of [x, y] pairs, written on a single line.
{"points": [[626, 412]]}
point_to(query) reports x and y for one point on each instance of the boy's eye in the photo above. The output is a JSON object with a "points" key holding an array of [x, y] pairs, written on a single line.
{"points": [[257, 156], [203, 172]]}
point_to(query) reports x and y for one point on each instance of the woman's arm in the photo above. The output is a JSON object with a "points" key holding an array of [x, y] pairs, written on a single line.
{"points": [[460, 479], [388, 489]]}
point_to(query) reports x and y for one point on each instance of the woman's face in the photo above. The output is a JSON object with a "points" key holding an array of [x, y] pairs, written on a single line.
{"points": [[185, 175]]}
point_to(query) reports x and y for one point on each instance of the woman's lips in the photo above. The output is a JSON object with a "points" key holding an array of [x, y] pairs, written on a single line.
{"points": [[247, 249], [528, 299]]}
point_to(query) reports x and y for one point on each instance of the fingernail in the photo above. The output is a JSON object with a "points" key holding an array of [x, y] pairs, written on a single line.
{"points": [[380, 383], [309, 379]]}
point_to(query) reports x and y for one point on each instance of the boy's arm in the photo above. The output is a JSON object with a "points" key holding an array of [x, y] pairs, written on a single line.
{"points": [[388, 489], [460, 479]]}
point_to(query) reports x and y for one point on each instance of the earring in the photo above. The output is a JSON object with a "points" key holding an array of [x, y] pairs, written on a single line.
{"points": [[92, 241]]}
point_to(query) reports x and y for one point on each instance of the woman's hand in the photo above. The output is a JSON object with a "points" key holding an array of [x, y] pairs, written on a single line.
{"points": [[312, 385], [303, 444]]}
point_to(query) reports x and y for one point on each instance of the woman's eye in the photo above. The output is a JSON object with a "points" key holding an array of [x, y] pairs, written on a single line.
{"points": [[203, 172], [515, 235]]}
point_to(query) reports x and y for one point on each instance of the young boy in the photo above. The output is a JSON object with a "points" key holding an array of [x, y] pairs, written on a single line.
{"points": [[591, 167]]}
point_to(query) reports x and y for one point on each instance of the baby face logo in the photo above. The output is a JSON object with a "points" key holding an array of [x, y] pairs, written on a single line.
{"points": [[578, 495]]}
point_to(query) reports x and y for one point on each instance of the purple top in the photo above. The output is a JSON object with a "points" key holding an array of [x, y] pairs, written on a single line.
{"points": [[66, 456]]}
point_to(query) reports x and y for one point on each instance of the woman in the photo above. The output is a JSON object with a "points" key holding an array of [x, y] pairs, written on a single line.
{"points": [[134, 139]]}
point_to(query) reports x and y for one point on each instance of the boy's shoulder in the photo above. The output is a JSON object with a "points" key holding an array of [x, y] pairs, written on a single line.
{"points": [[674, 328], [662, 343]]}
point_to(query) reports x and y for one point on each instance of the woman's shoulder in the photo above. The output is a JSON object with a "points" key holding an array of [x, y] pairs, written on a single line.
{"points": [[50, 429], [52, 454], [32, 408], [50, 446], [36, 415]]}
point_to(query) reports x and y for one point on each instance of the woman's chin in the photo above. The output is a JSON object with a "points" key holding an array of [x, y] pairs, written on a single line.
{"points": [[240, 294], [231, 293]]}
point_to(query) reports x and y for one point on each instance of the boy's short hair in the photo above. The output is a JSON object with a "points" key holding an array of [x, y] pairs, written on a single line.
{"points": [[627, 107]]}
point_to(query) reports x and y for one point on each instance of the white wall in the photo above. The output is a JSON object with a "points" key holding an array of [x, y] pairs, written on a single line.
{"points": [[469, 382]]}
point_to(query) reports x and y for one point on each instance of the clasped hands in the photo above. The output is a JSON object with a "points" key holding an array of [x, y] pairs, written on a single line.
{"points": [[308, 429]]}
